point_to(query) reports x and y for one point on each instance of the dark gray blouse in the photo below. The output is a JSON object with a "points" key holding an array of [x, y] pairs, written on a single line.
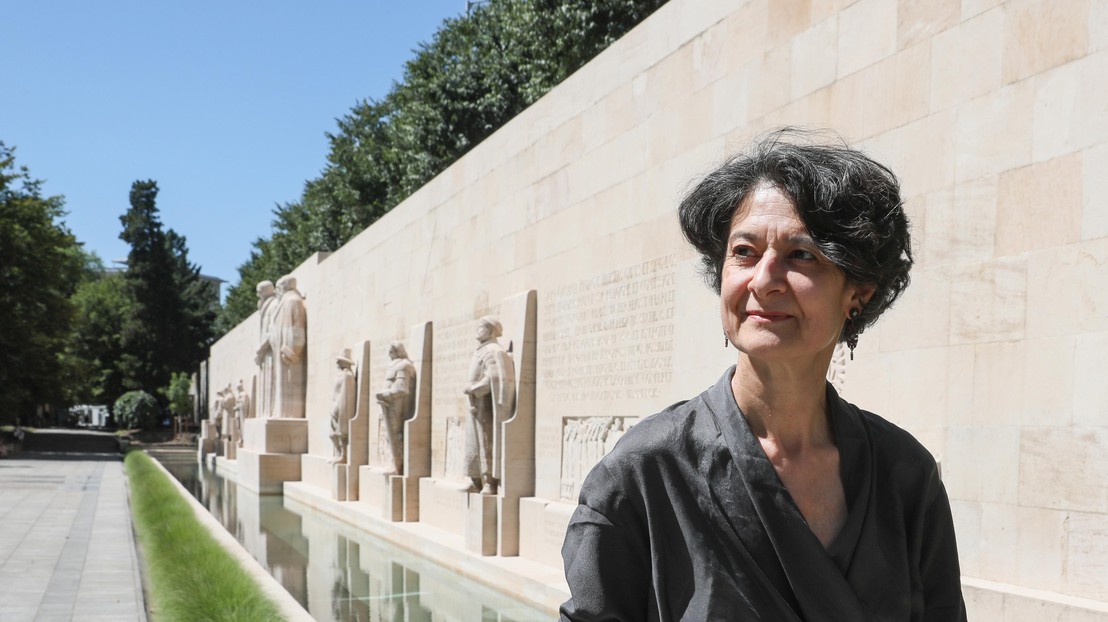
{"points": [[686, 519]]}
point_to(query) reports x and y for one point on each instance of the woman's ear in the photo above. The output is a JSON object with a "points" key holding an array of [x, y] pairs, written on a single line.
{"points": [[862, 294]]}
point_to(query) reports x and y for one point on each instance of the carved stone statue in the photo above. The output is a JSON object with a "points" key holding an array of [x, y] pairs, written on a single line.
{"points": [[397, 402], [491, 390], [217, 411], [342, 406], [228, 415], [267, 311], [242, 410], [290, 328]]}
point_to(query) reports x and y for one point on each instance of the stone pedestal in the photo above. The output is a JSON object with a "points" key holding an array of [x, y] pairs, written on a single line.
{"points": [[383, 491], [230, 450], [208, 442], [481, 523], [338, 482], [542, 530], [271, 453]]}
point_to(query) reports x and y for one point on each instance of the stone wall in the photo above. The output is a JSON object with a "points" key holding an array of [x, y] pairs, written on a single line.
{"points": [[994, 114]]}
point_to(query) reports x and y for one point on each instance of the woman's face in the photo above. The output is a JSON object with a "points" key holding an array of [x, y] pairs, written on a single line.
{"points": [[781, 299]]}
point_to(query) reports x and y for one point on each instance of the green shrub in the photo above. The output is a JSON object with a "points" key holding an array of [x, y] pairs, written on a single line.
{"points": [[136, 409]]}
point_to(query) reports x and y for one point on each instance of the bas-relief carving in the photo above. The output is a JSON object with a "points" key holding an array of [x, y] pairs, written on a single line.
{"points": [[343, 400], [263, 357], [397, 402], [491, 393], [288, 340], [585, 440], [455, 449]]}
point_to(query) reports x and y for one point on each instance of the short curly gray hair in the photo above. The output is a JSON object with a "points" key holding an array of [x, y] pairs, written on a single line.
{"points": [[850, 203]]}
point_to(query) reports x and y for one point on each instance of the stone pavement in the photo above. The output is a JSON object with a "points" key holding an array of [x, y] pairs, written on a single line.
{"points": [[67, 551]]}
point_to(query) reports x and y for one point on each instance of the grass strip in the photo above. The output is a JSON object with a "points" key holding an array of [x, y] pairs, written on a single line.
{"points": [[192, 578]]}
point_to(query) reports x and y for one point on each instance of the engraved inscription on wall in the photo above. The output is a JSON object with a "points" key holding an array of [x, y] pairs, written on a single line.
{"points": [[585, 440], [610, 337], [455, 447]]}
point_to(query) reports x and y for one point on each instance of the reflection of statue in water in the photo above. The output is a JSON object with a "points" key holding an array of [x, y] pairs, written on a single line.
{"points": [[397, 402], [242, 411], [290, 329], [263, 357], [492, 396], [342, 406]]}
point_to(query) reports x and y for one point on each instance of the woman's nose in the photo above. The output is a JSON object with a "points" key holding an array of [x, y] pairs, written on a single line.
{"points": [[769, 275]]}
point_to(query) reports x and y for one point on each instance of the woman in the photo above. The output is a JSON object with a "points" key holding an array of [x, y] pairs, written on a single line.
{"points": [[768, 497]]}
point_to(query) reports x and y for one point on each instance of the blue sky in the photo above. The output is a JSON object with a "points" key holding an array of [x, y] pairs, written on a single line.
{"points": [[224, 104]]}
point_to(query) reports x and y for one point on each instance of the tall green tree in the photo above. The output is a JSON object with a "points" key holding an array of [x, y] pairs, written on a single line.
{"points": [[169, 325], [477, 73], [95, 346], [41, 263]]}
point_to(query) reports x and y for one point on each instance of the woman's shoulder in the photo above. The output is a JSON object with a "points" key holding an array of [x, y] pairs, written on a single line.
{"points": [[895, 450]]}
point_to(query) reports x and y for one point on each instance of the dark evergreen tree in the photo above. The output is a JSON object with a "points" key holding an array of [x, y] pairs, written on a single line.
{"points": [[169, 328]]}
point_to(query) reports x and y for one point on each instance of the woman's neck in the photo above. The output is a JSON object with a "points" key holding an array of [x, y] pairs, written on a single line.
{"points": [[783, 403]]}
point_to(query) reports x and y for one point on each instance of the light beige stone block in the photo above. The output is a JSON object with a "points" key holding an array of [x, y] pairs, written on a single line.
{"points": [[900, 149], [1098, 25], [785, 19], [1040, 34], [1094, 177], [996, 367], [994, 132], [982, 463], [745, 34], [920, 318], [1087, 554], [814, 57], [730, 102], [898, 90], [966, 60], [1041, 542], [1090, 391], [1061, 296], [480, 524], [442, 505], [867, 33], [919, 20], [846, 101], [1064, 469], [822, 9], [545, 524], [280, 436], [266, 473], [1039, 206], [1071, 112], [1048, 381], [971, 8], [960, 225], [771, 80], [991, 301]]}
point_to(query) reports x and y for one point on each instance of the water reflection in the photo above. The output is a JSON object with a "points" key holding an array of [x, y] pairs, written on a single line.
{"points": [[336, 572]]}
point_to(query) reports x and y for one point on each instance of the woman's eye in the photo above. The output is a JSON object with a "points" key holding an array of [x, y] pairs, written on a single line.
{"points": [[742, 251], [804, 255]]}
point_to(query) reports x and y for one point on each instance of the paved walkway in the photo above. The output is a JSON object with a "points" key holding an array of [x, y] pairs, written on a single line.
{"points": [[66, 547]]}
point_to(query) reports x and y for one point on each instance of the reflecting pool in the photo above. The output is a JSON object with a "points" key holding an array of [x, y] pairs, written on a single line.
{"points": [[336, 572]]}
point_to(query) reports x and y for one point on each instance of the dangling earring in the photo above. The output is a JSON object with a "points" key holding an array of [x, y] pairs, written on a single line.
{"points": [[725, 340], [852, 339]]}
